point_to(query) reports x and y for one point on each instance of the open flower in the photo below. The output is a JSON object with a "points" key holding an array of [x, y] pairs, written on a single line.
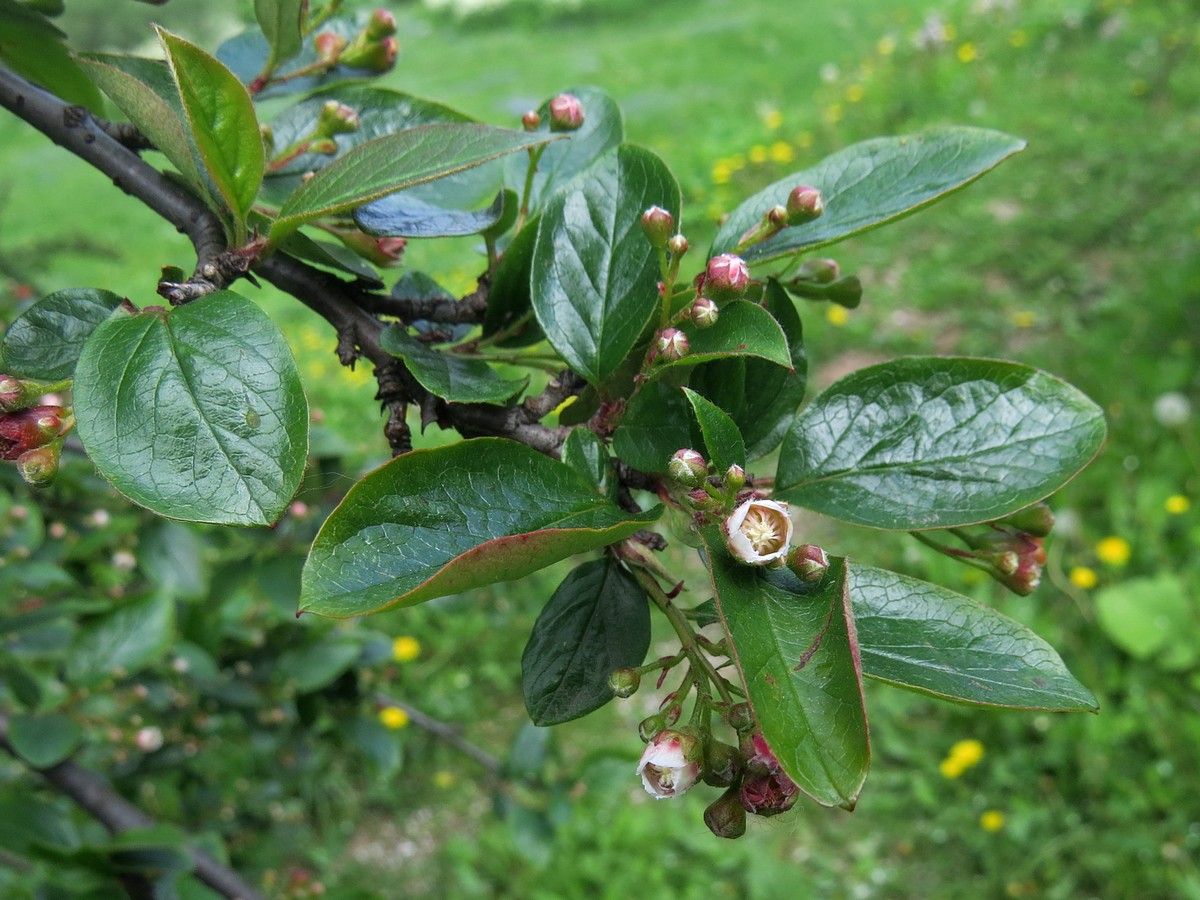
{"points": [[759, 532], [766, 790], [670, 764]]}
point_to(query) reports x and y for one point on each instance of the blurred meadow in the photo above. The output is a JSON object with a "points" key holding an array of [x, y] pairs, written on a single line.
{"points": [[1081, 256]]}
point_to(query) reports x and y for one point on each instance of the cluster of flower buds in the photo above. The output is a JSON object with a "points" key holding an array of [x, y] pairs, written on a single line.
{"points": [[30, 433], [804, 204], [1011, 549], [374, 48], [703, 492]]}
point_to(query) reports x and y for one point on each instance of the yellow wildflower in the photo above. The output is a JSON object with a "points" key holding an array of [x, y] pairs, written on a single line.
{"points": [[1083, 577], [837, 315], [393, 717], [773, 118], [782, 152], [758, 154], [992, 820], [968, 752], [721, 172], [1114, 551], [1177, 504], [443, 778], [1023, 318], [967, 53], [855, 93], [950, 767], [886, 46], [1018, 38], [405, 649]]}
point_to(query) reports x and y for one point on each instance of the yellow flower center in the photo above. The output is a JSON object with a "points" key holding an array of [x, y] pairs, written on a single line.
{"points": [[762, 529]]}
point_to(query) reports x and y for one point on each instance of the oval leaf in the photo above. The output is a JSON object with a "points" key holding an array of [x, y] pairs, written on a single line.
{"points": [[400, 215], [44, 741], [721, 435], [451, 378], [280, 21], [122, 642], [598, 620], [656, 423], [595, 276], [45, 341], [924, 637], [224, 128], [933, 442], [795, 647], [869, 184], [742, 329], [395, 161], [197, 413], [446, 520]]}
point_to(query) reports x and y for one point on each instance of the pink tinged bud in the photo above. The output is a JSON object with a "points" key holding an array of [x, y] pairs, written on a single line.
{"points": [[688, 467], [659, 226], [678, 245], [337, 118], [735, 479], [625, 682], [777, 217], [27, 429], [39, 466], [12, 393], [759, 532], [726, 277], [819, 271], [566, 113], [672, 344], [531, 120], [390, 250], [670, 764], [701, 499], [325, 146], [804, 204], [809, 562], [377, 56], [382, 24], [725, 816], [329, 47], [704, 312]]}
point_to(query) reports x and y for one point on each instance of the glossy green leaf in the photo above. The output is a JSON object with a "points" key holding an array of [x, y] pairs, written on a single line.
{"points": [[280, 21], [399, 215], [34, 48], [935, 442], [925, 637], [457, 379], [328, 256], [122, 642], [146, 93], [761, 397], [395, 161], [602, 131], [742, 329], [197, 413], [795, 647], [595, 276], [446, 520], [222, 122], [510, 301], [44, 342], [44, 741], [1152, 618], [722, 439], [584, 452], [657, 422], [869, 184], [597, 620]]}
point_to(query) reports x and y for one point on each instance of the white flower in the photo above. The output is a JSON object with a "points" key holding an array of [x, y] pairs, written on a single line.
{"points": [[759, 532], [148, 739], [670, 764], [1172, 409]]}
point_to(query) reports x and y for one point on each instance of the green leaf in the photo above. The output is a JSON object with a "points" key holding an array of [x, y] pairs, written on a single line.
{"points": [[145, 92], [327, 255], [510, 301], [44, 741], [603, 130], [401, 215], [319, 664], [795, 647], [44, 342], [197, 413], [869, 184], [595, 276], [222, 122], [584, 452], [657, 422], [742, 329], [1152, 618], [280, 21], [761, 397], [598, 620], [932, 640], [34, 48], [172, 557], [933, 442], [452, 378], [721, 435], [446, 520], [122, 642], [395, 161]]}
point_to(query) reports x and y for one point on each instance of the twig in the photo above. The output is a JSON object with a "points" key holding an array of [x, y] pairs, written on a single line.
{"points": [[446, 733], [117, 814]]}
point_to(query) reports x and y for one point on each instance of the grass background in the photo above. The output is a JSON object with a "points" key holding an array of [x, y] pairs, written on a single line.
{"points": [[1079, 256]]}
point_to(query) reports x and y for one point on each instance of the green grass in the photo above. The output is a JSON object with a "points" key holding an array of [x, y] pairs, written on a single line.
{"points": [[1079, 255]]}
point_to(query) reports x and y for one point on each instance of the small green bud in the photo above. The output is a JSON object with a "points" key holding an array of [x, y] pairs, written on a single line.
{"points": [[735, 478], [1037, 520], [650, 726], [336, 118], [704, 312], [624, 682], [725, 816], [809, 562], [846, 292], [777, 217], [672, 344], [678, 245], [722, 764], [688, 467], [659, 225], [329, 47], [531, 120], [804, 204], [819, 271], [740, 717], [39, 466], [376, 56], [382, 24]]}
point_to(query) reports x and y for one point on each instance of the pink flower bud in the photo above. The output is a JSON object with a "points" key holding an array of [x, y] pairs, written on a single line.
{"points": [[759, 532], [27, 429], [670, 764], [566, 113], [725, 816], [819, 271], [12, 394], [726, 277], [804, 204], [336, 118], [531, 120], [672, 344], [777, 217], [704, 312], [329, 47], [688, 467], [809, 562], [659, 226], [382, 24], [376, 56], [678, 245], [389, 250]]}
